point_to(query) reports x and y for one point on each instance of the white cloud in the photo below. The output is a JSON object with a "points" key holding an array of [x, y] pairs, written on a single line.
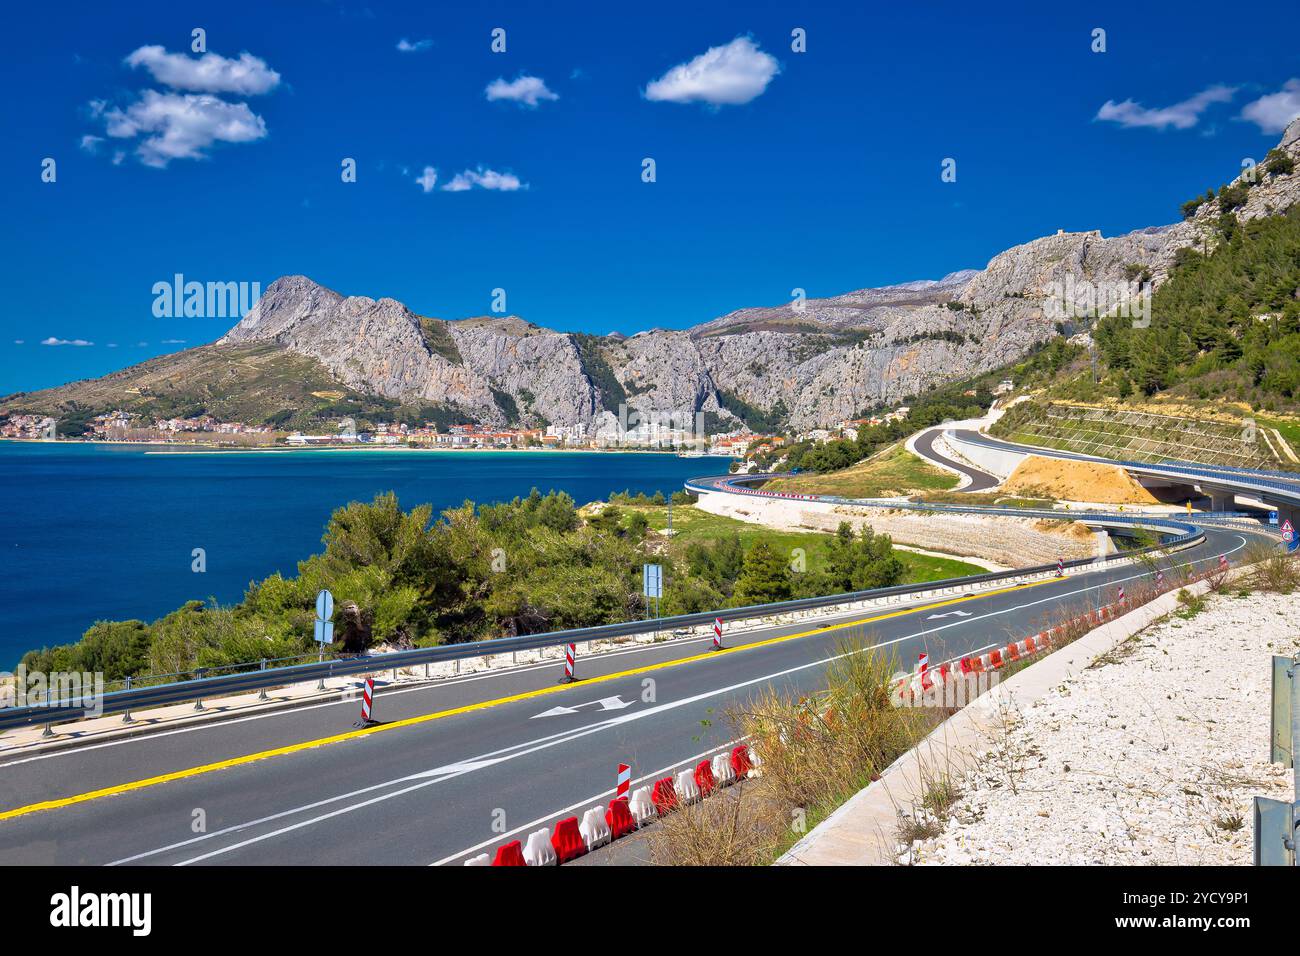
{"points": [[1272, 113], [18, 341], [484, 179], [416, 46], [1183, 115], [427, 179], [53, 341], [173, 342], [182, 126], [525, 90], [210, 73], [722, 76]]}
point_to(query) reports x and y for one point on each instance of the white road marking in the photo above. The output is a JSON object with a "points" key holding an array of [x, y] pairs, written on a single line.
{"points": [[394, 691], [470, 765], [949, 614], [654, 774], [474, 764], [606, 703]]}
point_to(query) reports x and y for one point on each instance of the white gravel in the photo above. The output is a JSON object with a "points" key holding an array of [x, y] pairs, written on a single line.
{"points": [[1150, 756]]}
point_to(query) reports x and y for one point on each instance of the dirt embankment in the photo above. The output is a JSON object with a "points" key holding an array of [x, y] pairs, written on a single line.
{"points": [[1076, 481], [1006, 541]]}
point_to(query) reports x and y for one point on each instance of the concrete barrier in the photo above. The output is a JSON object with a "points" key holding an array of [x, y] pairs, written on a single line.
{"points": [[538, 850], [595, 831], [642, 806]]}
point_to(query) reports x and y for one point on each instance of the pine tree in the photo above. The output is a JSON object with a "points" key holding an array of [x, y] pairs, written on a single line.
{"points": [[764, 579]]}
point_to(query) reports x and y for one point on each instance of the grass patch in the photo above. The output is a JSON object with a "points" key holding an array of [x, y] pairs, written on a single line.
{"points": [[816, 752], [896, 473], [1189, 605], [691, 524], [1272, 570]]}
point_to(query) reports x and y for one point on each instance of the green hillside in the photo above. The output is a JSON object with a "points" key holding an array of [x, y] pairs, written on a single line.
{"points": [[254, 384], [1224, 326]]}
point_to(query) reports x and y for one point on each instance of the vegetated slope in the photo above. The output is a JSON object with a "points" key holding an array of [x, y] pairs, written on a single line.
{"points": [[401, 578], [891, 474], [1116, 431], [253, 383], [1225, 326]]}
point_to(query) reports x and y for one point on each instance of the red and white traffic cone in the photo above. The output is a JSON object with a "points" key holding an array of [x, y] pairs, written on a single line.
{"points": [[367, 700], [569, 652], [717, 633], [624, 788]]}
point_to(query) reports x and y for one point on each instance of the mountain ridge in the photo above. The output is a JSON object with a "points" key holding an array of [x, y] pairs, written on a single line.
{"points": [[808, 362]]}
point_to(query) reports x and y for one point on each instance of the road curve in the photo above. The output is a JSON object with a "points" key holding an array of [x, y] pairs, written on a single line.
{"points": [[979, 480], [466, 764]]}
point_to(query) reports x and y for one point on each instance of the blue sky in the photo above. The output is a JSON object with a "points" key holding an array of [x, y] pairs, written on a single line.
{"points": [[774, 169]]}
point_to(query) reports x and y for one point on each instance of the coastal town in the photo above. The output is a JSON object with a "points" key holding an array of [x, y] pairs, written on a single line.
{"points": [[131, 427]]}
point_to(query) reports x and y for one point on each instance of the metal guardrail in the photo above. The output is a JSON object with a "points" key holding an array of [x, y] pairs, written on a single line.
{"points": [[732, 483], [124, 701], [1248, 480]]}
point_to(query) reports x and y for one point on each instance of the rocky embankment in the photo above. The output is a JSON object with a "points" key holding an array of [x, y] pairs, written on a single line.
{"points": [[1152, 755]]}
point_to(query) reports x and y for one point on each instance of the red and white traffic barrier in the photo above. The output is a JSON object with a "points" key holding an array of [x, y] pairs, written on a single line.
{"points": [[367, 700], [717, 633], [624, 786], [570, 651], [1121, 594], [1060, 568]]}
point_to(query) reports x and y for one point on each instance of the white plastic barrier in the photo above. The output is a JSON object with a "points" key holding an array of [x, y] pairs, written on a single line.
{"points": [[481, 860], [687, 790], [641, 806], [594, 830], [724, 774], [538, 850]]}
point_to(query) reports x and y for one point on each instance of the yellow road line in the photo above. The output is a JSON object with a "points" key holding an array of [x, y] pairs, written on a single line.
{"points": [[482, 705]]}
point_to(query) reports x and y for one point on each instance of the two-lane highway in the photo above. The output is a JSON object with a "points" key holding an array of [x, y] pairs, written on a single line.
{"points": [[467, 764]]}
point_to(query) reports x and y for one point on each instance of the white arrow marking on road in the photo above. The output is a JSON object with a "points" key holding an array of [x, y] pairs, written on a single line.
{"points": [[949, 614], [606, 703]]}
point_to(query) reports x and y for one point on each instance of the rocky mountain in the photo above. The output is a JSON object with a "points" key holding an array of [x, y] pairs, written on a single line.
{"points": [[803, 363]]}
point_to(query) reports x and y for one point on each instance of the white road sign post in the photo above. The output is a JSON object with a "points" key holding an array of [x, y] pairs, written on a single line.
{"points": [[652, 585], [324, 627]]}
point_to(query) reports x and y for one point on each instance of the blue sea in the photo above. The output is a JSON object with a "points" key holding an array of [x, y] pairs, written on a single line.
{"points": [[100, 532]]}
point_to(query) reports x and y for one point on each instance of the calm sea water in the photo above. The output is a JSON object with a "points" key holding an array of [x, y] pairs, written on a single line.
{"points": [[94, 532]]}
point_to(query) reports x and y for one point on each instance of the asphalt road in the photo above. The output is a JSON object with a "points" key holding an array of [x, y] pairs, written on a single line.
{"points": [[467, 764], [979, 480]]}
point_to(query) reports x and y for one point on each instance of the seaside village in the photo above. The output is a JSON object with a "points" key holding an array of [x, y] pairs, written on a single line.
{"points": [[131, 427]]}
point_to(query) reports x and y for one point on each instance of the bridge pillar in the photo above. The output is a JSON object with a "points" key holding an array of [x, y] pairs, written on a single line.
{"points": [[1221, 500]]}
